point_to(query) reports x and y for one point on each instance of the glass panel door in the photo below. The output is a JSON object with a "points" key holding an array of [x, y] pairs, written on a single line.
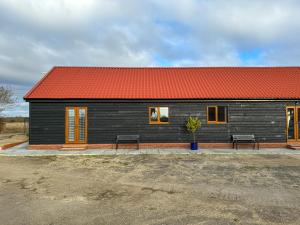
{"points": [[82, 125], [71, 124], [76, 125], [292, 123]]}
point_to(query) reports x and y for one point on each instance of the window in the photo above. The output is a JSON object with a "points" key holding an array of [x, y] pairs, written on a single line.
{"points": [[159, 115], [216, 114]]}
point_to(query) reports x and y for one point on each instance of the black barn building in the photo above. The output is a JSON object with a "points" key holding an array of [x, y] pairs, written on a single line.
{"points": [[92, 105]]}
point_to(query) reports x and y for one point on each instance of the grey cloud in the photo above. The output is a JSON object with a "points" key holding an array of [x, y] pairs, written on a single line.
{"points": [[36, 35]]}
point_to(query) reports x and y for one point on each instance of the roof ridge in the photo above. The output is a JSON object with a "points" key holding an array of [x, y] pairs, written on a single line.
{"points": [[179, 67]]}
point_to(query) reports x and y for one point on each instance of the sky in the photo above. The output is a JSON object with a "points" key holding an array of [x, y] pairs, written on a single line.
{"points": [[36, 35]]}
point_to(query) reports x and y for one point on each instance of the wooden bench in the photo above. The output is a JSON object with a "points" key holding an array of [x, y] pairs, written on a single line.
{"points": [[238, 139], [128, 139]]}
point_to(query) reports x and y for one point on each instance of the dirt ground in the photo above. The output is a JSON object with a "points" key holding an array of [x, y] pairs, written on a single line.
{"points": [[150, 189], [12, 138]]}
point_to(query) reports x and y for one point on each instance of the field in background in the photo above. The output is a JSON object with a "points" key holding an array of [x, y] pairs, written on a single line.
{"points": [[13, 130], [14, 125]]}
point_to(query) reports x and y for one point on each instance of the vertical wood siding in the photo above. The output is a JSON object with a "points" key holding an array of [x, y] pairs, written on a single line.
{"points": [[267, 120]]}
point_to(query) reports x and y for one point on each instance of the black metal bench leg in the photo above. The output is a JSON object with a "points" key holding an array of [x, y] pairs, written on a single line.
{"points": [[117, 146]]}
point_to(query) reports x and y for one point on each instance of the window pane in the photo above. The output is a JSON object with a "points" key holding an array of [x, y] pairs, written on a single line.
{"points": [[221, 113], [154, 114], [291, 125], [81, 123], [164, 114], [71, 125], [211, 114]]}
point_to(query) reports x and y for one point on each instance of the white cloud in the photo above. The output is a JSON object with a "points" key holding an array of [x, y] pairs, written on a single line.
{"points": [[55, 14]]}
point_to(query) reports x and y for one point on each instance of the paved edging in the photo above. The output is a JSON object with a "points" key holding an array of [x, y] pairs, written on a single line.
{"points": [[10, 145], [149, 152], [21, 150]]}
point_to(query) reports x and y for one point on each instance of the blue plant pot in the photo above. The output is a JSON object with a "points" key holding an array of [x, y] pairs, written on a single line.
{"points": [[194, 146]]}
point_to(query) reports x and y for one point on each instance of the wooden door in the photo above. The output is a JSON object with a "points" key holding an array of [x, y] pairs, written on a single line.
{"points": [[76, 125], [293, 123]]}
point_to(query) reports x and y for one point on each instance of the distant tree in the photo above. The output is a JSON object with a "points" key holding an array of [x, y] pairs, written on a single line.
{"points": [[6, 98]]}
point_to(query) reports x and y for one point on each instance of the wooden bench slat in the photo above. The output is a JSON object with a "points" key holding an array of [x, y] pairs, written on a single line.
{"points": [[244, 138], [128, 139]]}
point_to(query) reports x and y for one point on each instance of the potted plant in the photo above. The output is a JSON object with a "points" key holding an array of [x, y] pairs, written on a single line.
{"points": [[193, 124]]}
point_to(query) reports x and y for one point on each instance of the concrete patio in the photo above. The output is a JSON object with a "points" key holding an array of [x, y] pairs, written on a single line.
{"points": [[20, 150]]}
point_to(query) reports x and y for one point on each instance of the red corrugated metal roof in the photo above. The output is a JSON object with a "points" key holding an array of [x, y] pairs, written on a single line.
{"points": [[169, 83]]}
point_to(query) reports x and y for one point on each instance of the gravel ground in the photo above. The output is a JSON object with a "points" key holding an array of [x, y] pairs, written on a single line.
{"points": [[150, 189]]}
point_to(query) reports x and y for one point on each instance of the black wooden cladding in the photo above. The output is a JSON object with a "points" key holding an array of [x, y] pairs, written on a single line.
{"points": [[266, 120]]}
